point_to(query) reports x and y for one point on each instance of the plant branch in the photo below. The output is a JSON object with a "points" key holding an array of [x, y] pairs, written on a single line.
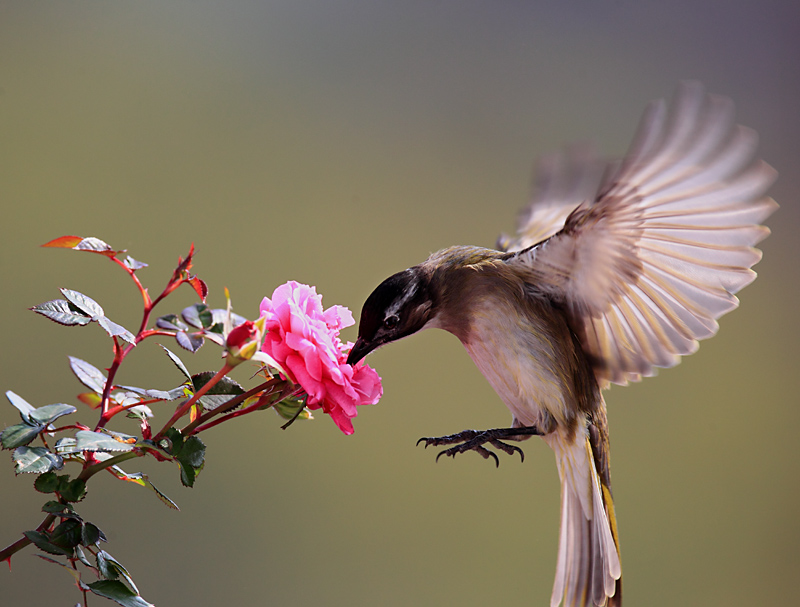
{"points": [[12, 549], [183, 409], [269, 385], [90, 471]]}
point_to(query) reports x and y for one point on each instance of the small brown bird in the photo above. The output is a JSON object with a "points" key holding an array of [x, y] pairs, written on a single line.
{"points": [[617, 268]]}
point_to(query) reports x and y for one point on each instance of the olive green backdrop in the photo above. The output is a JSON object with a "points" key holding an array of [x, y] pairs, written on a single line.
{"points": [[335, 143]]}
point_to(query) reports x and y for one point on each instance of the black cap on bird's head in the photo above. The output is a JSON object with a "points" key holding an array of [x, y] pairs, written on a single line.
{"points": [[399, 306]]}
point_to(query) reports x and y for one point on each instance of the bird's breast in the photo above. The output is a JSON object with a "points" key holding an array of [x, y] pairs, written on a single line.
{"points": [[521, 356]]}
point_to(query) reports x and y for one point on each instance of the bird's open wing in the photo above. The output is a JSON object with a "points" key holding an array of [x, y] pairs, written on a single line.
{"points": [[561, 183], [647, 267]]}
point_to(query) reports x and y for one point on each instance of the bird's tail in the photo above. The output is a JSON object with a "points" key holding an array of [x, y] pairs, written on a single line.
{"points": [[588, 571]]}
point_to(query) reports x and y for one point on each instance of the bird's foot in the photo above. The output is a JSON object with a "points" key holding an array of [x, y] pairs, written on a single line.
{"points": [[474, 440]]}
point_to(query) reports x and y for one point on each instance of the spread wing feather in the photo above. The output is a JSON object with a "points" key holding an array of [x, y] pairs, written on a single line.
{"points": [[647, 263]]}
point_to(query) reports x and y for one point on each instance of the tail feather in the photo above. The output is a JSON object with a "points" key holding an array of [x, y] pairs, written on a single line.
{"points": [[588, 567]]}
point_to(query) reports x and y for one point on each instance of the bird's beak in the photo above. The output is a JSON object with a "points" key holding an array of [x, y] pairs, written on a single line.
{"points": [[359, 351]]}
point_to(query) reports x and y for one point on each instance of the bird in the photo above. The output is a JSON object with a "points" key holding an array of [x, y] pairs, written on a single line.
{"points": [[618, 267]]}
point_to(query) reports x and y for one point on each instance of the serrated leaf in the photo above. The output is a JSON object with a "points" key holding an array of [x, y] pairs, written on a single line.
{"points": [[128, 439], [112, 569], [54, 507], [171, 322], [19, 435], [95, 245], [84, 303], [47, 483], [193, 451], [36, 460], [89, 375], [211, 402], [177, 362], [74, 490], [161, 394], [119, 593], [62, 312], [198, 316], [134, 265], [189, 341], [217, 338], [115, 330], [64, 242], [91, 535], [86, 440], [42, 542], [220, 393], [49, 413], [67, 534], [23, 406], [199, 287], [226, 385]]}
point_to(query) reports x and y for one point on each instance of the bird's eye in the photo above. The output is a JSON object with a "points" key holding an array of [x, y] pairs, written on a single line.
{"points": [[391, 321]]}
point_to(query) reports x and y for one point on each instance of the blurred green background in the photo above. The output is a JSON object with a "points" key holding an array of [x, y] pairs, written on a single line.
{"points": [[335, 143]]}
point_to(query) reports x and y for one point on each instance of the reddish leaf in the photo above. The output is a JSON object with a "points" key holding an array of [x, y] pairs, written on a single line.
{"points": [[64, 242], [184, 265], [90, 244], [200, 287]]}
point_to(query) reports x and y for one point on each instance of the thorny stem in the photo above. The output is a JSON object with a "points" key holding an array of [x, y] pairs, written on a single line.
{"points": [[185, 407], [90, 471], [12, 549], [267, 385], [288, 390]]}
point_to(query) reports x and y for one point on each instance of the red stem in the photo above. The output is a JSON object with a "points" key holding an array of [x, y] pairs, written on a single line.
{"points": [[185, 407]]}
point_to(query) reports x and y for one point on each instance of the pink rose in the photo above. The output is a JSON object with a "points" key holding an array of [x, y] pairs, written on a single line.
{"points": [[303, 339]]}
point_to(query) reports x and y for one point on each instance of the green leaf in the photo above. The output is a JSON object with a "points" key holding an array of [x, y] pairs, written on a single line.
{"points": [[171, 322], [96, 441], [42, 542], [62, 312], [198, 316], [67, 535], [76, 575], [23, 406], [115, 330], [288, 408], [177, 362], [220, 393], [19, 435], [193, 451], [91, 535], [89, 375], [84, 303], [119, 593], [47, 483], [74, 490], [189, 453], [112, 569], [36, 460], [81, 556], [49, 413], [54, 507]]}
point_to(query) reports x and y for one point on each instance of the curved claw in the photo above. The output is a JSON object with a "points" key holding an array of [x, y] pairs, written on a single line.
{"points": [[474, 440]]}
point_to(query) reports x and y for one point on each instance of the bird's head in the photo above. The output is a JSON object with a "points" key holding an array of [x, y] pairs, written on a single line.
{"points": [[401, 305]]}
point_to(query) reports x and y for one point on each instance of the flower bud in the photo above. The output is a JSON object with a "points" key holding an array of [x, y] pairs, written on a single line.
{"points": [[244, 341]]}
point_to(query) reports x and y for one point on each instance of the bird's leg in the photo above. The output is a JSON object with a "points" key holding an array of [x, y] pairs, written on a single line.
{"points": [[474, 440]]}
